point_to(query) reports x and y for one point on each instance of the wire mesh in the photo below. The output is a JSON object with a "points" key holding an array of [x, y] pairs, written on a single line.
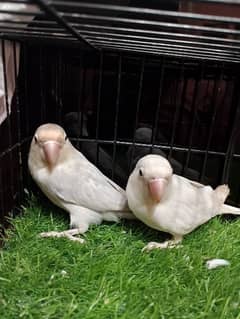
{"points": [[124, 81], [196, 29]]}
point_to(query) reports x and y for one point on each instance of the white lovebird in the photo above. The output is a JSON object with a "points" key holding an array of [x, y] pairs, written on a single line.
{"points": [[71, 182], [172, 203]]}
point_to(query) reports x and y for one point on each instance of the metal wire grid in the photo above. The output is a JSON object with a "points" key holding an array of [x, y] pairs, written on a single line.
{"points": [[18, 133], [102, 25]]}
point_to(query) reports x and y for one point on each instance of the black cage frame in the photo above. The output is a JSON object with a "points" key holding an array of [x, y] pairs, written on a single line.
{"points": [[168, 67]]}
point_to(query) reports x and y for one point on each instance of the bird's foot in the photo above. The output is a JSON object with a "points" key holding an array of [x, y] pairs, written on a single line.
{"points": [[66, 233], [167, 244]]}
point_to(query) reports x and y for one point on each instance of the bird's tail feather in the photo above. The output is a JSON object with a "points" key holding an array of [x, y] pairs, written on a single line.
{"points": [[228, 209]]}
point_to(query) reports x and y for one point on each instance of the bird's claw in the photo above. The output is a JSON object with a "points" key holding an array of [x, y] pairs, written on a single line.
{"points": [[164, 245], [80, 240], [154, 245], [49, 234], [66, 234]]}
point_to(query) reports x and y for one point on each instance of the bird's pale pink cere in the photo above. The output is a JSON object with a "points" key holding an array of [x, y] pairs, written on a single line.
{"points": [[51, 151], [156, 188]]}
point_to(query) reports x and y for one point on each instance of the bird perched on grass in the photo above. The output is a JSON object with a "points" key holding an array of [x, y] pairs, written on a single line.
{"points": [[172, 203], [71, 182]]}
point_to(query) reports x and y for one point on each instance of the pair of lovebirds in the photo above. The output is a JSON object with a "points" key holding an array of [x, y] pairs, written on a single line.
{"points": [[159, 198]]}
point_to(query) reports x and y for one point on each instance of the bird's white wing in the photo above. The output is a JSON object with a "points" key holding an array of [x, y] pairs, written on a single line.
{"points": [[81, 183], [188, 181]]}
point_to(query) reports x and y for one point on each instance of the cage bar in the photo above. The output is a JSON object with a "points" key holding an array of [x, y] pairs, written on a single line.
{"points": [[120, 44], [119, 77], [139, 96], [100, 77]]}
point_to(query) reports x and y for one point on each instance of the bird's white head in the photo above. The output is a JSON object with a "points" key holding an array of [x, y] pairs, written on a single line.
{"points": [[154, 172], [48, 142]]}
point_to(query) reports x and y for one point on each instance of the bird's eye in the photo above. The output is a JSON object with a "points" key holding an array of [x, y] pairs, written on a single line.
{"points": [[35, 139], [140, 172]]}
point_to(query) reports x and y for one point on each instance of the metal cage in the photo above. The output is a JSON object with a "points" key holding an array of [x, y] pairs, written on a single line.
{"points": [[125, 78]]}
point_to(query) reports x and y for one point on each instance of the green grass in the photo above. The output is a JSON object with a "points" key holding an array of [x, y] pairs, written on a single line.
{"points": [[109, 276]]}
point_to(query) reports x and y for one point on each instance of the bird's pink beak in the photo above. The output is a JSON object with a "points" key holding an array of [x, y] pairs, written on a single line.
{"points": [[51, 151], [156, 188]]}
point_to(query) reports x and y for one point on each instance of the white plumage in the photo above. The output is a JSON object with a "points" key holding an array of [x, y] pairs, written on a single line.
{"points": [[171, 203], [71, 182]]}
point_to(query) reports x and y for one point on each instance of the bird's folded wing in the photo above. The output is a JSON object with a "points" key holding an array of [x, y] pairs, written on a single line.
{"points": [[83, 184], [193, 183]]}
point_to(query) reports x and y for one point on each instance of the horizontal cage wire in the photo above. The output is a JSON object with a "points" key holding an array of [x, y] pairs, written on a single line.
{"points": [[125, 79], [187, 31]]}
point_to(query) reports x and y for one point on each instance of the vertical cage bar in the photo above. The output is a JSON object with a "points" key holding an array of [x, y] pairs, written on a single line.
{"points": [[139, 98], [232, 139], [207, 90], [20, 181], [237, 198], [25, 106], [59, 86], [195, 108], [178, 106], [80, 109], [212, 123], [158, 108], [62, 81], [54, 85], [26, 89], [99, 104], [117, 113], [182, 103], [42, 87]]}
